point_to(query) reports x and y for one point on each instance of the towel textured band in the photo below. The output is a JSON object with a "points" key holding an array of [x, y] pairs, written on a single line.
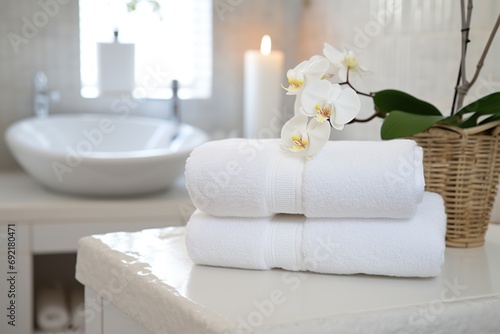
{"points": [[285, 180], [394, 247], [258, 178]]}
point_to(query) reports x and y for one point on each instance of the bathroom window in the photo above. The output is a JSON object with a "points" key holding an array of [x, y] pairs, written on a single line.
{"points": [[172, 38]]}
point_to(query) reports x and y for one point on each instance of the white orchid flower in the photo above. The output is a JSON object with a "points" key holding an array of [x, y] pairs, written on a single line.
{"points": [[313, 68], [341, 62], [326, 101], [302, 136]]}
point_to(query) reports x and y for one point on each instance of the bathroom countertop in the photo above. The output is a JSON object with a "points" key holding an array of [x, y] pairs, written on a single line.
{"points": [[149, 276], [23, 199]]}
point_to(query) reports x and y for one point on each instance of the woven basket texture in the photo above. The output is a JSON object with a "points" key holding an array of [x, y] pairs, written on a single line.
{"points": [[463, 166]]}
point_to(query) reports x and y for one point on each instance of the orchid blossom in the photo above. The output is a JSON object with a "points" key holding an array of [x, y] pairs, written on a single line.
{"points": [[326, 101], [313, 68], [342, 62], [302, 136], [319, 104]]}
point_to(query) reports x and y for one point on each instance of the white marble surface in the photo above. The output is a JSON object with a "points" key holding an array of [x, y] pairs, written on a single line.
{"points": [[150, 277], [23, 199]]}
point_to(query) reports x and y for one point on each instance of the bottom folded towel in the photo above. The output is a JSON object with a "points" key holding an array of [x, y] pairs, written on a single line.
{"points": [[392, 247]]}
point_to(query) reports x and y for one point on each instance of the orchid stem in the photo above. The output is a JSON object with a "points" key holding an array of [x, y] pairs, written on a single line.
{"points": [[354, 89], [462, 89], [357, 120]]}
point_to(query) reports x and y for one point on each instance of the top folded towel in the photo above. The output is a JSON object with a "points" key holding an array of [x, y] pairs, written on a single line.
{"points": [[258, 178]]}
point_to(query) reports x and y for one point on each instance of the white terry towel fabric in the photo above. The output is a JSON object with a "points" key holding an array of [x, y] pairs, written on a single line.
{"points": [[51, 309], [77, 309], [392, 247], [258, 178]]}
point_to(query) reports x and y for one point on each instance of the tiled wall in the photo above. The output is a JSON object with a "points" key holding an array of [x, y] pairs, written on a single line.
{"points": [[408, 45], [416, 50]]}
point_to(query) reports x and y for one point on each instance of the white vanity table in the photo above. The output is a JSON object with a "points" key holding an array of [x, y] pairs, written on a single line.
{"points": [[48, 223], [144, 282]]}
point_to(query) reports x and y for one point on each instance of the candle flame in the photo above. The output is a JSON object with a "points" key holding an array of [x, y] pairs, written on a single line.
{"points": [[265, 45]]}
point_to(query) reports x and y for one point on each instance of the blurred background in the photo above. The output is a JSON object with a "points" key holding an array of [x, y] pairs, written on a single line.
{"points": [[410, 45]]}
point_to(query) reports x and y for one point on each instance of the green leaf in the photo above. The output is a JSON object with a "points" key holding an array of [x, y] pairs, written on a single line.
{"points": [[488, 105], [390, 100], [469, 122], [451, 120], [490, 119], [399, 124]]}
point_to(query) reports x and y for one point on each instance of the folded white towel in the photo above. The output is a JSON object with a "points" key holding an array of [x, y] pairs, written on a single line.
{"points": [[257, 178], [77, 309], [393, 247], [51, 308]]}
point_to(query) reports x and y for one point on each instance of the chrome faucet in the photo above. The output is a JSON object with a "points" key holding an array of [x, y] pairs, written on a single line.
{"points": [[175, 101], [175, 140], [42, 96]]}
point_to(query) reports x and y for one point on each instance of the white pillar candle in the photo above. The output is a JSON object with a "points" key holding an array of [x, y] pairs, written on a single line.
{"points": [[263, 92]]}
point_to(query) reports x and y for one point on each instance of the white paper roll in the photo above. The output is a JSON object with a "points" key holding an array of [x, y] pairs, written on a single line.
{"points": [[51, 309], [116, 67]]}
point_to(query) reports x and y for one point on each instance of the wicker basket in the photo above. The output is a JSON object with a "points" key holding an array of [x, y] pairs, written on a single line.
{"points": [[462, 165]]}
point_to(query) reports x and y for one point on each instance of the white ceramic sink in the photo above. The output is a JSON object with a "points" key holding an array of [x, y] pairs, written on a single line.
{"points": [[101, 154]]}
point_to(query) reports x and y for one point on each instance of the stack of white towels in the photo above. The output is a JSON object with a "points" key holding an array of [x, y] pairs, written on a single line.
{"points": [[59, 308], [356, 207]]}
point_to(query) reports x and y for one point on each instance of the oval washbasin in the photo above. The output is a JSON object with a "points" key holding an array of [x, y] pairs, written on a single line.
{"points": [[101, 154]]}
